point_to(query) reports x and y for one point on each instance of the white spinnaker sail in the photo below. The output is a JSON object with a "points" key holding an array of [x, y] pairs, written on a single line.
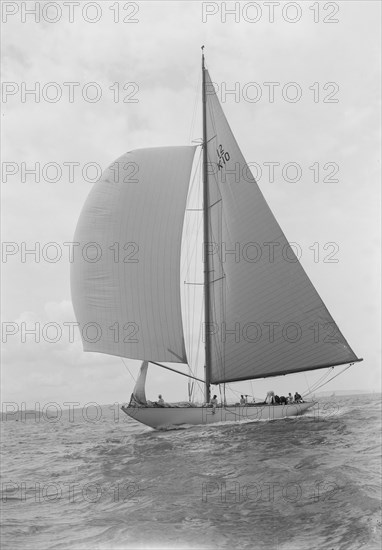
{"points": [[125, 277], [267, 317]]}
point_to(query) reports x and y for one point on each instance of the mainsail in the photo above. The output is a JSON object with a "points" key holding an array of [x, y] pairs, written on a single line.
{"points": [[266, 317], [126, 280]]}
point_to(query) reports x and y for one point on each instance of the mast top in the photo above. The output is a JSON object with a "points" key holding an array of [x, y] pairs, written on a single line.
{"points": [[202, 48]]}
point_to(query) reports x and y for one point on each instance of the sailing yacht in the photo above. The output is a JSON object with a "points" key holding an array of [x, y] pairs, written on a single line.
{"points": [[127, 297]]}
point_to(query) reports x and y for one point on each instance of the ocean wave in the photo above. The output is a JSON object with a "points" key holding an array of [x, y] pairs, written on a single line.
{"points": [[303, 482]]}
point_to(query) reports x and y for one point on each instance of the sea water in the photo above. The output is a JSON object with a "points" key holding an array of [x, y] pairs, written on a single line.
{"points": [[95, 479]]}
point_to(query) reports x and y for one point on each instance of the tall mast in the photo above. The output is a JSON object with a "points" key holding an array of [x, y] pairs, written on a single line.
{"points": [[207, 313]]}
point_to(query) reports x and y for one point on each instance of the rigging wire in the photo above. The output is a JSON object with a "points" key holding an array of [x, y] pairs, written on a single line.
{"points": [[123, 361], [343, 370], [306, 381], [318, 384], [319, 381], [239, 392]]}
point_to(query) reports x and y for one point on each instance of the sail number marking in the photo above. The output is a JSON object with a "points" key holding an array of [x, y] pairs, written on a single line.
{"points": [[223, 157]]}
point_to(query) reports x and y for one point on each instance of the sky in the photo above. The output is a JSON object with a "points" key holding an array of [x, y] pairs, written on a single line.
{"points": [[110, 77]]}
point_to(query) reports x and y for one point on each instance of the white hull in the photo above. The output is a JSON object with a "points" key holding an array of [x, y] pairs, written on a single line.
{"points": [[166, 417]]}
